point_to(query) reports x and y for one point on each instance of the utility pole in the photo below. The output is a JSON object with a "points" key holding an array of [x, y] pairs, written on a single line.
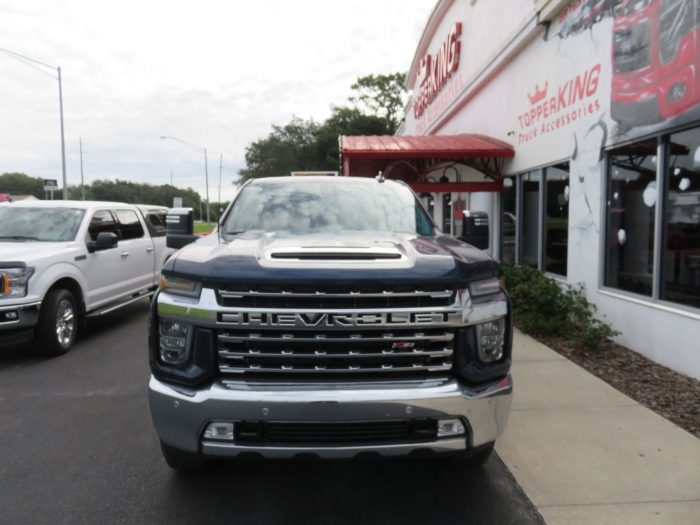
{"points": [[171, 176], [82, 179]]}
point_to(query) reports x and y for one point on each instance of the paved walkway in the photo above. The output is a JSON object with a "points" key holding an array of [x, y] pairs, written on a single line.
{"points": [[587, 454]]}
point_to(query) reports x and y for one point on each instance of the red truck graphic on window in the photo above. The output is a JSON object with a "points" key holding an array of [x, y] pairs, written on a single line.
{"points": [[656, 60]]}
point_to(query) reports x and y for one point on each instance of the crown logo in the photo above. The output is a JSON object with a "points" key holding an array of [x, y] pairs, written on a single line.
{"points": [[538, 94]]}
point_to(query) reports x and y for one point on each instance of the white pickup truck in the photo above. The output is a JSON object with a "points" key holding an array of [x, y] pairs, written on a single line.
{"points": [[62, 261]]}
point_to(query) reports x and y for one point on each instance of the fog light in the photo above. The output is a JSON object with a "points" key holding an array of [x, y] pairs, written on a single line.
{"points": [[490, 338], [220, 430], [450, 427], [174, 339]]}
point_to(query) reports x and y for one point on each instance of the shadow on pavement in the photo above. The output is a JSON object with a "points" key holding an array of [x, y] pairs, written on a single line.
{"points": [[381, 491]]}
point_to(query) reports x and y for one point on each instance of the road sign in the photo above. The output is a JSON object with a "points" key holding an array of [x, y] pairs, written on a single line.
{"points": [[177, 202], [50, 184]]}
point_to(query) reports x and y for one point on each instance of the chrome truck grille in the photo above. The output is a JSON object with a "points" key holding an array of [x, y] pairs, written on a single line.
{"points": [[335, 334]]}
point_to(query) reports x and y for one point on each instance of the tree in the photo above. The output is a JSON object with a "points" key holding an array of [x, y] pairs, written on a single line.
{"points": [[345, 121], [291, 147], [21, 184], [382, 95], [306, 145]]}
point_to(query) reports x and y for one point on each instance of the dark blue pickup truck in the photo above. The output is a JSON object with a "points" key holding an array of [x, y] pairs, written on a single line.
{"points": [[327, 317]]}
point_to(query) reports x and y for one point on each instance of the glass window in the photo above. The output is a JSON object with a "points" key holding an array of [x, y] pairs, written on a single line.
{"points": [[447, 213], [39, 224], [681, 253], [631, 201], [327, 204], [155, 220], [129, 224], [508, 221], [102, 221], [556, 218], [530, 218]]}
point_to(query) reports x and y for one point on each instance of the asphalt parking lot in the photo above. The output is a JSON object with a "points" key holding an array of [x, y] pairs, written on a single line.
{"points": [[77, 446]]}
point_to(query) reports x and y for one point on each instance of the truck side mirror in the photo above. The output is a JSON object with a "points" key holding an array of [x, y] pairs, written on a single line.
{"points": [[179, 224], [104, 241], [475, 229]]}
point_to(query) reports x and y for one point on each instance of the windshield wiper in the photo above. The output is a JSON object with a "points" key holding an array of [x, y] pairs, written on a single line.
{"points": [[19, 237]]}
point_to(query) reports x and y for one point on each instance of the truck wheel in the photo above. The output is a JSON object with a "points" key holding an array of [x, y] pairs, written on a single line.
{"points": [[58, 323], [180, 460]]}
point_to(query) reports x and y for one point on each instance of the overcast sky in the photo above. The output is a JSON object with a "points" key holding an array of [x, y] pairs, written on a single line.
{"points": [[216, 74]]}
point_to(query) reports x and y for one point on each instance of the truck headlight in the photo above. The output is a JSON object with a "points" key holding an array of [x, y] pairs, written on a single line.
{"points": [[180, 286], [490, 340], [484, 288], [13, 281], [174, 342]]}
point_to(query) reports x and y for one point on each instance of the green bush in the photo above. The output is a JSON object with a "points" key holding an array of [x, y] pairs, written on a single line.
{"points": [[544, 308]]}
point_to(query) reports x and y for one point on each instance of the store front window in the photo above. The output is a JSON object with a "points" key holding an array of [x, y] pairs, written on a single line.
{"points": [[530, 219], [556, 218], [447, 213], [681, 253], [509, 220], [631, 201]]}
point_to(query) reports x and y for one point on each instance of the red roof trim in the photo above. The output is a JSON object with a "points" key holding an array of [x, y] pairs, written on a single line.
{"points": [[425, 146]]}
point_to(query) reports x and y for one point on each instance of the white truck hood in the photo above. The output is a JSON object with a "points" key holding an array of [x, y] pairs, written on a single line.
{"points": [[30, 251]]}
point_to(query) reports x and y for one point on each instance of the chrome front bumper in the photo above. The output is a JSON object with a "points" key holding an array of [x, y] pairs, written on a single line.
{"points": [[180, 414]]}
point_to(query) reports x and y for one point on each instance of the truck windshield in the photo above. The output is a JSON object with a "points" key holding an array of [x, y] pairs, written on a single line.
{"points": [[39, 224], [327, 205]]}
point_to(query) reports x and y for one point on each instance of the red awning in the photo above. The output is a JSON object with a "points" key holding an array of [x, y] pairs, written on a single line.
{"points": [[412, 158], [421, 147]]}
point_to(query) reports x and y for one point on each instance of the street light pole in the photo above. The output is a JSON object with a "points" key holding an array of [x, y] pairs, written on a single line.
{"points": [[82, 179], [206, 167], [221, 167], [38, 65], [63, 140], [206, 176]]}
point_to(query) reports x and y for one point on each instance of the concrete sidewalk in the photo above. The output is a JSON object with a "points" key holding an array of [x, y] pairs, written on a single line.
{"points": [[587, 454]]}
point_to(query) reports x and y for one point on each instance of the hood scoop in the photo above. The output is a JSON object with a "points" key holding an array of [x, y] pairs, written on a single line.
{"points": [[336, 254]]}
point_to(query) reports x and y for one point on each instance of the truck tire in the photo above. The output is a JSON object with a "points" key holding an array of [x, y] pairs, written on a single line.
{"points": [[57, 327], [180, 460]]}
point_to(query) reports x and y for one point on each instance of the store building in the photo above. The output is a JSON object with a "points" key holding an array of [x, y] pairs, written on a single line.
{"points": [[600, 102]]}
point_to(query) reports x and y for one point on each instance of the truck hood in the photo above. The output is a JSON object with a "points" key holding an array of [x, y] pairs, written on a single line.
{"points": [[29, 251], [341, 259]]}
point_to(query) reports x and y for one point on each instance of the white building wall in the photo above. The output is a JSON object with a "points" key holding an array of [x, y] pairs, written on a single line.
{"points": [[552, 59]]}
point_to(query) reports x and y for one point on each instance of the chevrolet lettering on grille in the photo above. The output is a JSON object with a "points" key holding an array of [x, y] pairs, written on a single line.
{"points": [[337, 320]]}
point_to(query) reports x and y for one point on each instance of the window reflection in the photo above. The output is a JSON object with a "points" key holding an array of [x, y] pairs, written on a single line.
{"points": [[530, 218], [681, 257], [631, 201], [557, 218], [508, 220]]}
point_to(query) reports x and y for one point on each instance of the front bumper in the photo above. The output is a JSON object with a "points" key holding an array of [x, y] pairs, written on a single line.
{"points": [[180, 414], [17, 322]]}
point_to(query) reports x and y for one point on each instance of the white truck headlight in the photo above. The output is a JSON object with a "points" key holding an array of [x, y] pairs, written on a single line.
{"points": [[490, 340], [174, 342], [13, 282]]}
